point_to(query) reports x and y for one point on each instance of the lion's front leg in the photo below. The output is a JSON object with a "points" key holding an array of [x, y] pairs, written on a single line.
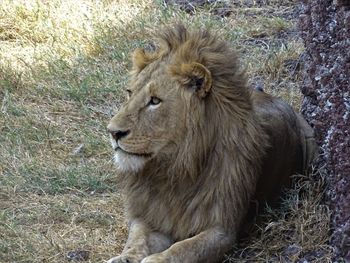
{"points": [[136, 247], [208, 246], [141, 243]]}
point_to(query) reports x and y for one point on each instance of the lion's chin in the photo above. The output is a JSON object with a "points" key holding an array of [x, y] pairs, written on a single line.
{"points": [[127, 162]]}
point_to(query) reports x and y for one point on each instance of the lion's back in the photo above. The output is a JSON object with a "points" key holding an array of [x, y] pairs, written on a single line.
{"points": [[292, 145]]}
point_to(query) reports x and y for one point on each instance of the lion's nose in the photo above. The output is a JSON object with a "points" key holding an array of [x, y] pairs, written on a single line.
{"points": [[118, 134]]}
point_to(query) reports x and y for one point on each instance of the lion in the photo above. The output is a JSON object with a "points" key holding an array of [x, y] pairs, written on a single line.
{"points": [[195, 146]]}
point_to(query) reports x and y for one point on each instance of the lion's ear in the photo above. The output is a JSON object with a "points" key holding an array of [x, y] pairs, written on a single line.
{"points": [[141, 59], [195, 76]]}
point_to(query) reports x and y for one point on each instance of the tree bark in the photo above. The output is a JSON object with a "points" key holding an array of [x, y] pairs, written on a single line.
{"points": [[325, 28]]}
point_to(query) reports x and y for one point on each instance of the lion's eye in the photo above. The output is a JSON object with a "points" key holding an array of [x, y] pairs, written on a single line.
{"points": [[154, 101]]}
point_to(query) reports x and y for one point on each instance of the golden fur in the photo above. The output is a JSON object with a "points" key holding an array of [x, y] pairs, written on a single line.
{"points": [[194, 146]]}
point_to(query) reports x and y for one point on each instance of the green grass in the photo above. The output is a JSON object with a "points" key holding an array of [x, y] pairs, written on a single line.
{"points": [[63, 68]]}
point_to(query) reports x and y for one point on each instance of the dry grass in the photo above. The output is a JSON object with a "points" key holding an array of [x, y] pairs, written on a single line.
{"points": [[298, 231], [63, 65]]}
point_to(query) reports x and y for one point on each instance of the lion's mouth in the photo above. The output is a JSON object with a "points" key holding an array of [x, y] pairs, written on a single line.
{"points": [[144, 155]]}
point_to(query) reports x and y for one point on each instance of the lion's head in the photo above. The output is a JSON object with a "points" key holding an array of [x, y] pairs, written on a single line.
{"points": [[176, 100]]}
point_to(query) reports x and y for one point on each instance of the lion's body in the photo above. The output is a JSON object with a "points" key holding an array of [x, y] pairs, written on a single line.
{"points": [[208, 149]]}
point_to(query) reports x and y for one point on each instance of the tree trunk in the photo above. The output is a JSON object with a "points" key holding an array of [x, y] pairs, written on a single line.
{"points": [[325, 28]]}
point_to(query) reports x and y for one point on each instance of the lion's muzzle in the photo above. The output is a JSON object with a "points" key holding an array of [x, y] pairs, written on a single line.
{"points": [[118, 134]]}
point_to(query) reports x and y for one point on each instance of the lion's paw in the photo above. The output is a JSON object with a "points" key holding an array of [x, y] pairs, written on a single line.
{"points": [[155, 258], [124, 259]]}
